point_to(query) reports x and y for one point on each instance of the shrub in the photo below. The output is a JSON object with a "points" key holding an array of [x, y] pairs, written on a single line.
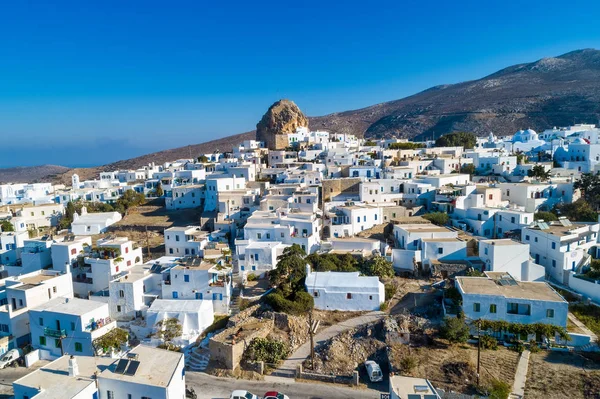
{"points": [[266, 350], [454, 330], [533, 346], [299, 303], [488, 342], [518, 346], [439, 218], [453, 294], [499, 390], [252, 277], [390, 291], [545, 216], [407, 364], [457, 139], [383, 307]]}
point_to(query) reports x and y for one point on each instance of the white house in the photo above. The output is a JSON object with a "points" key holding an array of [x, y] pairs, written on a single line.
{"points": [[344, 291], [500, 297], [194, 278], [403, 387], [11, 245], [69, 325], [93, 223], [185, 241], [64, 253], [144, 372], [510, 257], [561, 246], [194, 316]]}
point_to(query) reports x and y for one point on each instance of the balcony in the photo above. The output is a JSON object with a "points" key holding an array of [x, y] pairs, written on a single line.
{"points": [[51, 332]]}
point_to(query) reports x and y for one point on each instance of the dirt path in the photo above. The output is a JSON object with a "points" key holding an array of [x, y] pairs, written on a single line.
{"points": [[518, 390], [288, 368]]}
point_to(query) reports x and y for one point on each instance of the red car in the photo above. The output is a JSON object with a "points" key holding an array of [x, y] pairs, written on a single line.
{"points": [[275, 395]]}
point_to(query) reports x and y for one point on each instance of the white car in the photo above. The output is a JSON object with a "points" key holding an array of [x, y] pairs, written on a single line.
{"points": [[373, 371], [241, 394], [10, 357]]}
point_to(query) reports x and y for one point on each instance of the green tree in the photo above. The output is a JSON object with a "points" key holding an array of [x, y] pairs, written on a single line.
{"points": [[159, 190], [332, 262], [266, 350], [111, 340], [468, 169], [378, 266], [539, 172], [370, 143], [454, 329], [439, 218], [522, 158], [545, 216], [589, 184], [457, 139], [7, 226], [290, 271], [405, 146], [168, 330], [580, 211], [128, 200], [202, 159]]}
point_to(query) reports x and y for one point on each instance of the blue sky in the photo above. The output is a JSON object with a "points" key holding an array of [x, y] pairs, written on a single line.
{"points": [[87, 82]]}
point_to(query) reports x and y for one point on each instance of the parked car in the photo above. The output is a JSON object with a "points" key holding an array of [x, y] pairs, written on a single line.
{"points": [[11, 357], [373, 371], [275, 395], [241, 394]]}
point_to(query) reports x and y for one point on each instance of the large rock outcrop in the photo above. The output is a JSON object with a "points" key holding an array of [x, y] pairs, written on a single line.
{"points": [[282, 118]]}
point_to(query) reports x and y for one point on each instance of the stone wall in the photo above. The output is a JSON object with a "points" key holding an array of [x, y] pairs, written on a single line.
{"points": [[331, 378], [333, 187], [228, 347]]}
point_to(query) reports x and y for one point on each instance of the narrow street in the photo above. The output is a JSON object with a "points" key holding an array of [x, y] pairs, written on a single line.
{"points": [[209, 387]]}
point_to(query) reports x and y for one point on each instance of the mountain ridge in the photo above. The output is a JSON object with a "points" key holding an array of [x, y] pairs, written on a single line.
{"points": [[552, 91]]}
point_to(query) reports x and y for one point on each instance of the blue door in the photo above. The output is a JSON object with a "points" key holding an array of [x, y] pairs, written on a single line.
{"points": [[198, 295], [175, 295]]}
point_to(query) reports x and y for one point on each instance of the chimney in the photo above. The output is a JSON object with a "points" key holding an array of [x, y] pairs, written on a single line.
{"points": [[73, 368]]}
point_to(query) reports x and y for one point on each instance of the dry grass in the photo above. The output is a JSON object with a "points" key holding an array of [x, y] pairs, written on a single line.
{"points": [[331, 317], [454, 367], [557, 375], [158, 217]]}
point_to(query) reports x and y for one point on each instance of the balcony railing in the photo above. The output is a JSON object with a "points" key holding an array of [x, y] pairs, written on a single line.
{"points": [[51, 332]]}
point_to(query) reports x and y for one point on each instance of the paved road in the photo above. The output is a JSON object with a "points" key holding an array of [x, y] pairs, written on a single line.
{"points": [[289, 366], [209, 387]]}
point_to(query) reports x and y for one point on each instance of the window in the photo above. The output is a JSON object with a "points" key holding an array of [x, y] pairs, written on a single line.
{"points": [[553, 263], [175, 295], [176, 238], [491, 196], [375, 217], [348, 296], [550, 313], [370, 297], [493, 308], [485, 251], [121, 294], [527, 238], [316, 294], [281, 235], [186, 278], [119, 308], [72, 326], [258, 236], [477, 307], [73, 251], [57, 343], [198, 295], [268, 236], [43, 341], [440, 250], [170, 250], [78, 347], [110, 395], [553, 245], [41, 321]]}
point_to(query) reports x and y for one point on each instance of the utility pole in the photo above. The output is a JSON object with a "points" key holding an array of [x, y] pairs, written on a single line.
{"points": [[148, 244], [478, 348], [312, 330]]}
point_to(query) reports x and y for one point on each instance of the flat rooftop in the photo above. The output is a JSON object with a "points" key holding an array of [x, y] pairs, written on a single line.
{"points": [[157, 367], [54, 381], [559, 229], [523, 290], [195, 263], [404, 386], [35, 280], [70, 306], [504, 242]]}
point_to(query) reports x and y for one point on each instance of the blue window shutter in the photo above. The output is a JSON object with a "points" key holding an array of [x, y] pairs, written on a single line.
{"points": [[175, 295]]}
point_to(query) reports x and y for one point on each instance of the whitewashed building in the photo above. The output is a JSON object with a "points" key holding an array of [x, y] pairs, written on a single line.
{"points": [[344, 291]]}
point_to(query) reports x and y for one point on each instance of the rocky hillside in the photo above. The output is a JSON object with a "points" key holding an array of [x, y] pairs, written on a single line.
{"points": [[31, 174], [550, 92]]}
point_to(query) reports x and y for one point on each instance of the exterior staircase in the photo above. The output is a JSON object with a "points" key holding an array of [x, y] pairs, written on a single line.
{"points": [[197, 359]]}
